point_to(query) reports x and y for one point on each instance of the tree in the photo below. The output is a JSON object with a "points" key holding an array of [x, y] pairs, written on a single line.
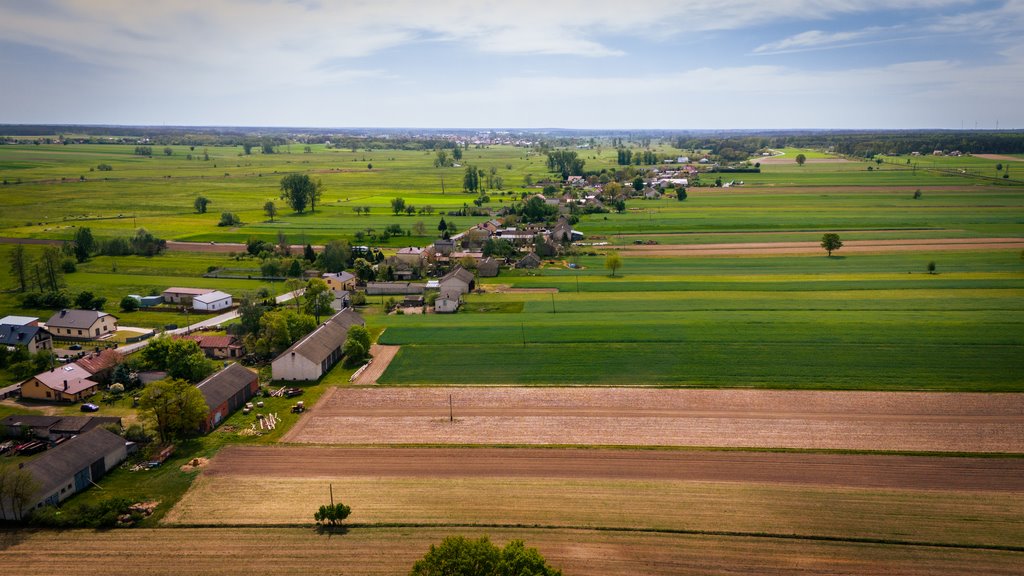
{"points": [[613, 262], [357, 346], [681, 194], [332, 514], [335, 256], [318, 298], [457, 153], [84, 244], [308, 254], [442, 160], [461, 556], [295, 269], [17, 486], [49, 264], [831, 242], [229, 219], [441, 226], [800, 159], [279, 329], [168, 151], [397, 205], [270, 209], [174, 407], [200, 204], [298, 190], [471, 179], [85, 300], [129, 304], [19, 266], [638, 183], [419, 228], [182, 359], [931, 267]]}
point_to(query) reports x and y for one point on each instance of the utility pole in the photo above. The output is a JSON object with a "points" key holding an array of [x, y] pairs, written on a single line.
{"points": [[331, 486], [553, 303], [522, 326], [451, 414]]}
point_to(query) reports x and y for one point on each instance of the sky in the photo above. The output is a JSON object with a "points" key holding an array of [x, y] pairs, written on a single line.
{"points": [[585, 64]]}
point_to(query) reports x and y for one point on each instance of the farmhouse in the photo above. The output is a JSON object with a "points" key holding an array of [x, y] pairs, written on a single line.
{"points": [[100, 364], [68, 383], [447, 302], [339, 280], [459, 280], [412, 255], [212, 301], [218, 347], [31, 338], [313, 355], [183, 295], [70, 468], [81, 324], [20, 320], [227, 391]]}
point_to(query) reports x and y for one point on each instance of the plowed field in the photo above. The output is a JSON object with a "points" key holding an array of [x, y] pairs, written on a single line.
{"points": [[668, 417]]}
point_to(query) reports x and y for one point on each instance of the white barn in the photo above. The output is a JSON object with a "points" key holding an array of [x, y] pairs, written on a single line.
{"points": [[212, 301]]}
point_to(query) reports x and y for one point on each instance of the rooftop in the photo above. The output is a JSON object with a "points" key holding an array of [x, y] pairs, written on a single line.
{"points": [[76, 377], [76, 318]]}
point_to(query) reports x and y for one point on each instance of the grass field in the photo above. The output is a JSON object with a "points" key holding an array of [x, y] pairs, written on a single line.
{"points": [[922, 516], [386, 551]]}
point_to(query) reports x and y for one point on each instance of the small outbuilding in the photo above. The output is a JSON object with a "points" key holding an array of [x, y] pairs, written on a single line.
{"points": [[447, 302], [317, 352], [177, 295], [531, 260], [212, 301], [487, 267]]}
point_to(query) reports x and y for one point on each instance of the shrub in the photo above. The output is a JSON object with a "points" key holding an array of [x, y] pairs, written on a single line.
{"points": [[229, 219]]}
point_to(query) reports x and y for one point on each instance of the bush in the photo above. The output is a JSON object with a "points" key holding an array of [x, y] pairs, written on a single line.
{"points": [[104, 167], [105, 514], [229, 219], [68, 265], [116, 388]]}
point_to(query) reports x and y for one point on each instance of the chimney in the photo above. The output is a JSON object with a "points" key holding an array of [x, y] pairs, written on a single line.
{"points": [[63, 312]]}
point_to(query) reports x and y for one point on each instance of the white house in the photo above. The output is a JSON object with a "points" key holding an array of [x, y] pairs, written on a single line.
{"points": [[212, 301], [447, 302]]}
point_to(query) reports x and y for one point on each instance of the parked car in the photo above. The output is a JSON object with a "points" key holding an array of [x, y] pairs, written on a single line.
{"points": [[75, 347], [90, 407]]}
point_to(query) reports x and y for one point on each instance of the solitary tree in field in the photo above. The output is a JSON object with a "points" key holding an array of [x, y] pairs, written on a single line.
{"points": [[200, 204], [271, 209], [461, 556], [332, 514], [613, 262], [800, 159], [297, 190], [931, 267], [830, 242], [397, 205]]}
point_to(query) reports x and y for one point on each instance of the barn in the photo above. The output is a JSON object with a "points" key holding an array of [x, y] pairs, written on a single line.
{"points": [[227, 391], [70, 468], [315, 353]]}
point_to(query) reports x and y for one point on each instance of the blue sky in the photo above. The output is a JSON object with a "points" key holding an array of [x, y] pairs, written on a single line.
{"points": [[729, 64]]}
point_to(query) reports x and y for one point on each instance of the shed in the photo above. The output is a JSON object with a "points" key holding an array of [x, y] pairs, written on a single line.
{"points": [[177, 295], [531, 260], [212, 301], [447, 302]]}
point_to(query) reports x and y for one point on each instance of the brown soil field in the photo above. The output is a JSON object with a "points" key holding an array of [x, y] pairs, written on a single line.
{"points": [[859, 471], [382, 357], [999, 157], [391, 551], [849, 246], [918, 421], [790, 189], [559, 493]]}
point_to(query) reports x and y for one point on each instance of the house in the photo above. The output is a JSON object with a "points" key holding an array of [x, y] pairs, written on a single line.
{"points": [[393, 288], [32, 337], [651, 194], [100, 364], [447, 302], [315, 353], [69, 469], [212, 301], [68, 383], [412, 255], [458, 280], [339, 280], [183, 295], [218, 347], [227, 391], [487, 267], [342, 300], [531, 260], [81, 324], [400, 269], [444, 246]]}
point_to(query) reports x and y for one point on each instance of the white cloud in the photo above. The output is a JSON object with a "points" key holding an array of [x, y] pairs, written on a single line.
{"points": [[816, 39]]}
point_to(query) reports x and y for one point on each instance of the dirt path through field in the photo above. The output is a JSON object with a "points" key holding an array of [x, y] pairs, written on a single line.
{"points": [[916, 421], [1002, 157], [860, 471], [382, 357], [849, 246]]}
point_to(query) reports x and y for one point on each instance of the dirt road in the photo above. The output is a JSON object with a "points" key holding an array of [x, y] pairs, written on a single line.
{"points": [[861, 471], [673, 417], [382, 357]]}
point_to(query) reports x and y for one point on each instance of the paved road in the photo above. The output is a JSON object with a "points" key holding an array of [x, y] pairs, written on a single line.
{"points": [[221, 319]]}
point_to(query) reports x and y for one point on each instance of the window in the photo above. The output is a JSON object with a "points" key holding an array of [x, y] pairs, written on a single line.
{"points": [[47, 394], [79, 332]]}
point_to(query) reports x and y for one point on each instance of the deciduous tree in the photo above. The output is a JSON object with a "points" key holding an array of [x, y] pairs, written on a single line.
{"points": [[613, 262], [831, 242], [461, 556], [174, 407], [800, 159]]}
